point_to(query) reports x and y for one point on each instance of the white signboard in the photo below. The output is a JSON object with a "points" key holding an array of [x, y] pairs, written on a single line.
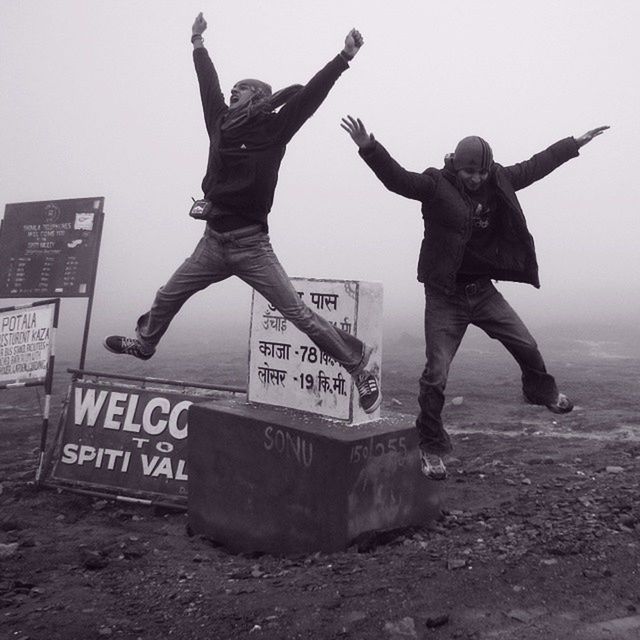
{"points": [[26, 338], [286, 369]]}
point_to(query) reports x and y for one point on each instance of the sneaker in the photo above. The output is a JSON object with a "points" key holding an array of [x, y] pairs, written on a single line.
{"points": [[369, 391], [561, 405], [128, 346], [432, 466]]}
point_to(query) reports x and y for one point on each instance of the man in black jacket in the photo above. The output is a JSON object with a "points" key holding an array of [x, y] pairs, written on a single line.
{"points": [[474, 232], [248, 139]]}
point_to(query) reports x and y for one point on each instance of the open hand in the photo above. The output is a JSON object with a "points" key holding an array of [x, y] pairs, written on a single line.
{"points": [[199, 25], [355, 128], [590, 135], [352, 43]]}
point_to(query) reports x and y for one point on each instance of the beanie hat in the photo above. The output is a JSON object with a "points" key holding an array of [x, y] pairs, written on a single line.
{"points": [[473, 152], [261, 89]]}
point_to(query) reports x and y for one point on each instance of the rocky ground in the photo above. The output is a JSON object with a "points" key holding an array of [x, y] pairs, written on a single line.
{"points": [[540, 536]]}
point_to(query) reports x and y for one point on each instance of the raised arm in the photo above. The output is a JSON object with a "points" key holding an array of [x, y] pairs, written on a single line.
{"points": [[523, 174], [213, 103], [417, 186], [304, 104]]}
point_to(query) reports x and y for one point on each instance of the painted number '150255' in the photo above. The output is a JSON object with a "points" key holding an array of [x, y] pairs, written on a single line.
{"points": [[371, 449]]}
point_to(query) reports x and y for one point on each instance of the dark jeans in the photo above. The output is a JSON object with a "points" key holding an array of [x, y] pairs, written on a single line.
{"points": [[446, 320], [247, 254]]}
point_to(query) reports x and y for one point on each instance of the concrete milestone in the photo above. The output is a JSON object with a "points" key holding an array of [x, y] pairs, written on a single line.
{"points": [[301, 467], [281, 481]]}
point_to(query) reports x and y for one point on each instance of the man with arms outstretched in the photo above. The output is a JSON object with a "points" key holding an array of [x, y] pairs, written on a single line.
{"points": [[248, 140], [474, 232]]}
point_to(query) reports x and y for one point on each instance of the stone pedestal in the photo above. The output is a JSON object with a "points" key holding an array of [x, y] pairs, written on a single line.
{"points": [[281, 481]]}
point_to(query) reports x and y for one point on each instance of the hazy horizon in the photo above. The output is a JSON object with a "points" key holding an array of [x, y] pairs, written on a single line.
{"points": [[103, 101]]}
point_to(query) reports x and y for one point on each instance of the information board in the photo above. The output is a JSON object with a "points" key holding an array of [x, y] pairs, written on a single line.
{"points": [[26, 343], [287, 369], [26, 337], [50, 248]]}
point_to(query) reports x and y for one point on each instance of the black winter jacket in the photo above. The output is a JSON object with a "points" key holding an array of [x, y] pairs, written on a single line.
{"points": [[447, 213], [242, 170]]}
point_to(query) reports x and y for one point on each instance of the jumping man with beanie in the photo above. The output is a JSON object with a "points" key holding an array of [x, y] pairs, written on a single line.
{"points": [[248, 140], [474, 232]]}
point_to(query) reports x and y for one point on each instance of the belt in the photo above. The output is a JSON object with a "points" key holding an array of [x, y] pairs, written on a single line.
{"points": [[234, 233], [471, 288]]}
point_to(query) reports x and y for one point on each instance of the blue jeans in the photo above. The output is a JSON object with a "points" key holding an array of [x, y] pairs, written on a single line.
{"points": [[446, 320], [247, 254]]}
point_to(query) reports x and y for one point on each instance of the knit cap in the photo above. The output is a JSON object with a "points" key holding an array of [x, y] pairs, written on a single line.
{"points": [[474, 153], [261, 89]]}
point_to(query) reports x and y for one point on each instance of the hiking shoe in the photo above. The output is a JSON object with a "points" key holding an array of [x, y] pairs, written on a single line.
{"points": [[432, 466], [128, 346], [561, 405], [369, 391]]}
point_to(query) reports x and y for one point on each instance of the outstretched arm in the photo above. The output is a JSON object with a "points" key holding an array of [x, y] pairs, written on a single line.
{"points": [[417, 186], [213, 103], [304, 104], [523, 174]]}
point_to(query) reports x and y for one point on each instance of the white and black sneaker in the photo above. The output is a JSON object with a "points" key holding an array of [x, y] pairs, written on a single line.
{"points": [[128, 346], [432, 465], [368, 388]]}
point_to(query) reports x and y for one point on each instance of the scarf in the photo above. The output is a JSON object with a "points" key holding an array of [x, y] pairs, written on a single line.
{"points": [[257, 107]]}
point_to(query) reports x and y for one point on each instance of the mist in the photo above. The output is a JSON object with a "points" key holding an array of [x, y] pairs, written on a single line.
{"points": [[101, 99]]}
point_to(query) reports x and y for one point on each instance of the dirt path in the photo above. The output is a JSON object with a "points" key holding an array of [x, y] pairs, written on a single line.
{"points": [[540, 539]]}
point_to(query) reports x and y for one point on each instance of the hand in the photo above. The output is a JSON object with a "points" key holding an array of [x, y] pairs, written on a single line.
{"points": [[199, 25], [352, 43], [590, 135], [355, 128]]}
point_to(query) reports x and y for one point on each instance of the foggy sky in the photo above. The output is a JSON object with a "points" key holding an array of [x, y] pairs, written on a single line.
{"points": [[100, 98]]}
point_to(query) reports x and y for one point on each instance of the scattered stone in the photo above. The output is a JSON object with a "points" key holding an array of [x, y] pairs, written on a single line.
{"points": [[134, 551], [613, 469], [27, 542], [457, 401], [395, 402], [437, 621], [525, 481], [93, 560], [99, 505], [11, 525], [617, 628], [520, 615], [592, 574], [105, 632], [8, 550], [354, 616], [456, 563], [402, 629], [256, 572], [548, 561]]}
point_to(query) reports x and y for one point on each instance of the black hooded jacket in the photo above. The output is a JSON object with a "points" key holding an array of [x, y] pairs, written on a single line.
{"points": [[243, 164], [447, 213]]}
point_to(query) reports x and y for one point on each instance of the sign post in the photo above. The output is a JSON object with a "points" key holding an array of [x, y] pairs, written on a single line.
{"points": [[287, 369], [27, 354]]}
